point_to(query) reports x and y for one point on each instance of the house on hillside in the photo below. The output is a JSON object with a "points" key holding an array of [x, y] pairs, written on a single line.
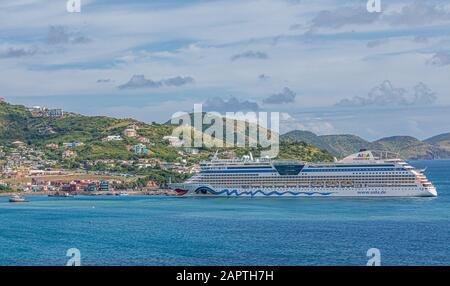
{"points": [[68, 154], [55, 113], [112, 138], [141, 149], [151, 185], [144, 140], [52, 146], [130, 132], [18, 143], [72, 144], [42, 111]]}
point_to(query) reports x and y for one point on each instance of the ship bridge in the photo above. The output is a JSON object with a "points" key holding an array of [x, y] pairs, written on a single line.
{"points": [[290, 168]]}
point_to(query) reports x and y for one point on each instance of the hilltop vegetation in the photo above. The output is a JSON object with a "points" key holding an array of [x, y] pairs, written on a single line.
{"points": [[16, 123], [293, 150]]}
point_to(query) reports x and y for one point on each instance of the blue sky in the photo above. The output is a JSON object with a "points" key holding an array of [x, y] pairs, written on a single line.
{"points": [[329, 66]]}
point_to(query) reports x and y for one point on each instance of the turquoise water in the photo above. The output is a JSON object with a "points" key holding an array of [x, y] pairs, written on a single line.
{"points": [[230, 231]]}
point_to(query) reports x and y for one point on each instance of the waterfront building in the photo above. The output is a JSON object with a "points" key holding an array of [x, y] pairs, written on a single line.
{"points": [[103, 186], [92, 187]]}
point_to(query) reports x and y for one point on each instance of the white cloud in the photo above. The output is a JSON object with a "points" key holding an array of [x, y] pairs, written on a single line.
{"points": [[250, 55], [58, 34], [343, 16], [17, 52], [139, 81], [285, 96], [233, 104], [198, 40], [386, 94], [440, 59], [419, 13]]}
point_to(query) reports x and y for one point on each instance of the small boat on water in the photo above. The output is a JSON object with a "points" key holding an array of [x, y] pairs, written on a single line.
{"points": [[17, 199], [123, 194]]}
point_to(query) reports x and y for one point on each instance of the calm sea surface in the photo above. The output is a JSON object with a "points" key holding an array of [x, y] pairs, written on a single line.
{"points": [[230, 231]]}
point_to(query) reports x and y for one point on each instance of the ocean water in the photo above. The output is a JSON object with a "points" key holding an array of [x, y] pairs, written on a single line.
{"points": [[148, 230]]}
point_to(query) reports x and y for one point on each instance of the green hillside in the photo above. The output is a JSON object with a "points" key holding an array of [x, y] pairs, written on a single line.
{"points": [[17, 123], [295, 150]]}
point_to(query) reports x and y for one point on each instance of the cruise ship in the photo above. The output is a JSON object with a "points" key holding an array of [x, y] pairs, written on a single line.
{"points": [[364, 174]]}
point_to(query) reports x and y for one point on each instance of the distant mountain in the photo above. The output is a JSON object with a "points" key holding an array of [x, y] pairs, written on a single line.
{"points": [[437, 147], [412, 148], [438, 138], [442, 140], [308, 137], [338, 145], [346, 144]]}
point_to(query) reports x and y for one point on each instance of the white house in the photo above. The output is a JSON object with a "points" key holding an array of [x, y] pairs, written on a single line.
{"points": [[112, 138]]}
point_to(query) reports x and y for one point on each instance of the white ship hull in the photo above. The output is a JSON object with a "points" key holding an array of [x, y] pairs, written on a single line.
{"points": [[207, 190], [358, 175]]}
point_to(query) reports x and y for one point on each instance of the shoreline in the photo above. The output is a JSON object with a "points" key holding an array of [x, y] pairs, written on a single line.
{"points": [[157, 192]]}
